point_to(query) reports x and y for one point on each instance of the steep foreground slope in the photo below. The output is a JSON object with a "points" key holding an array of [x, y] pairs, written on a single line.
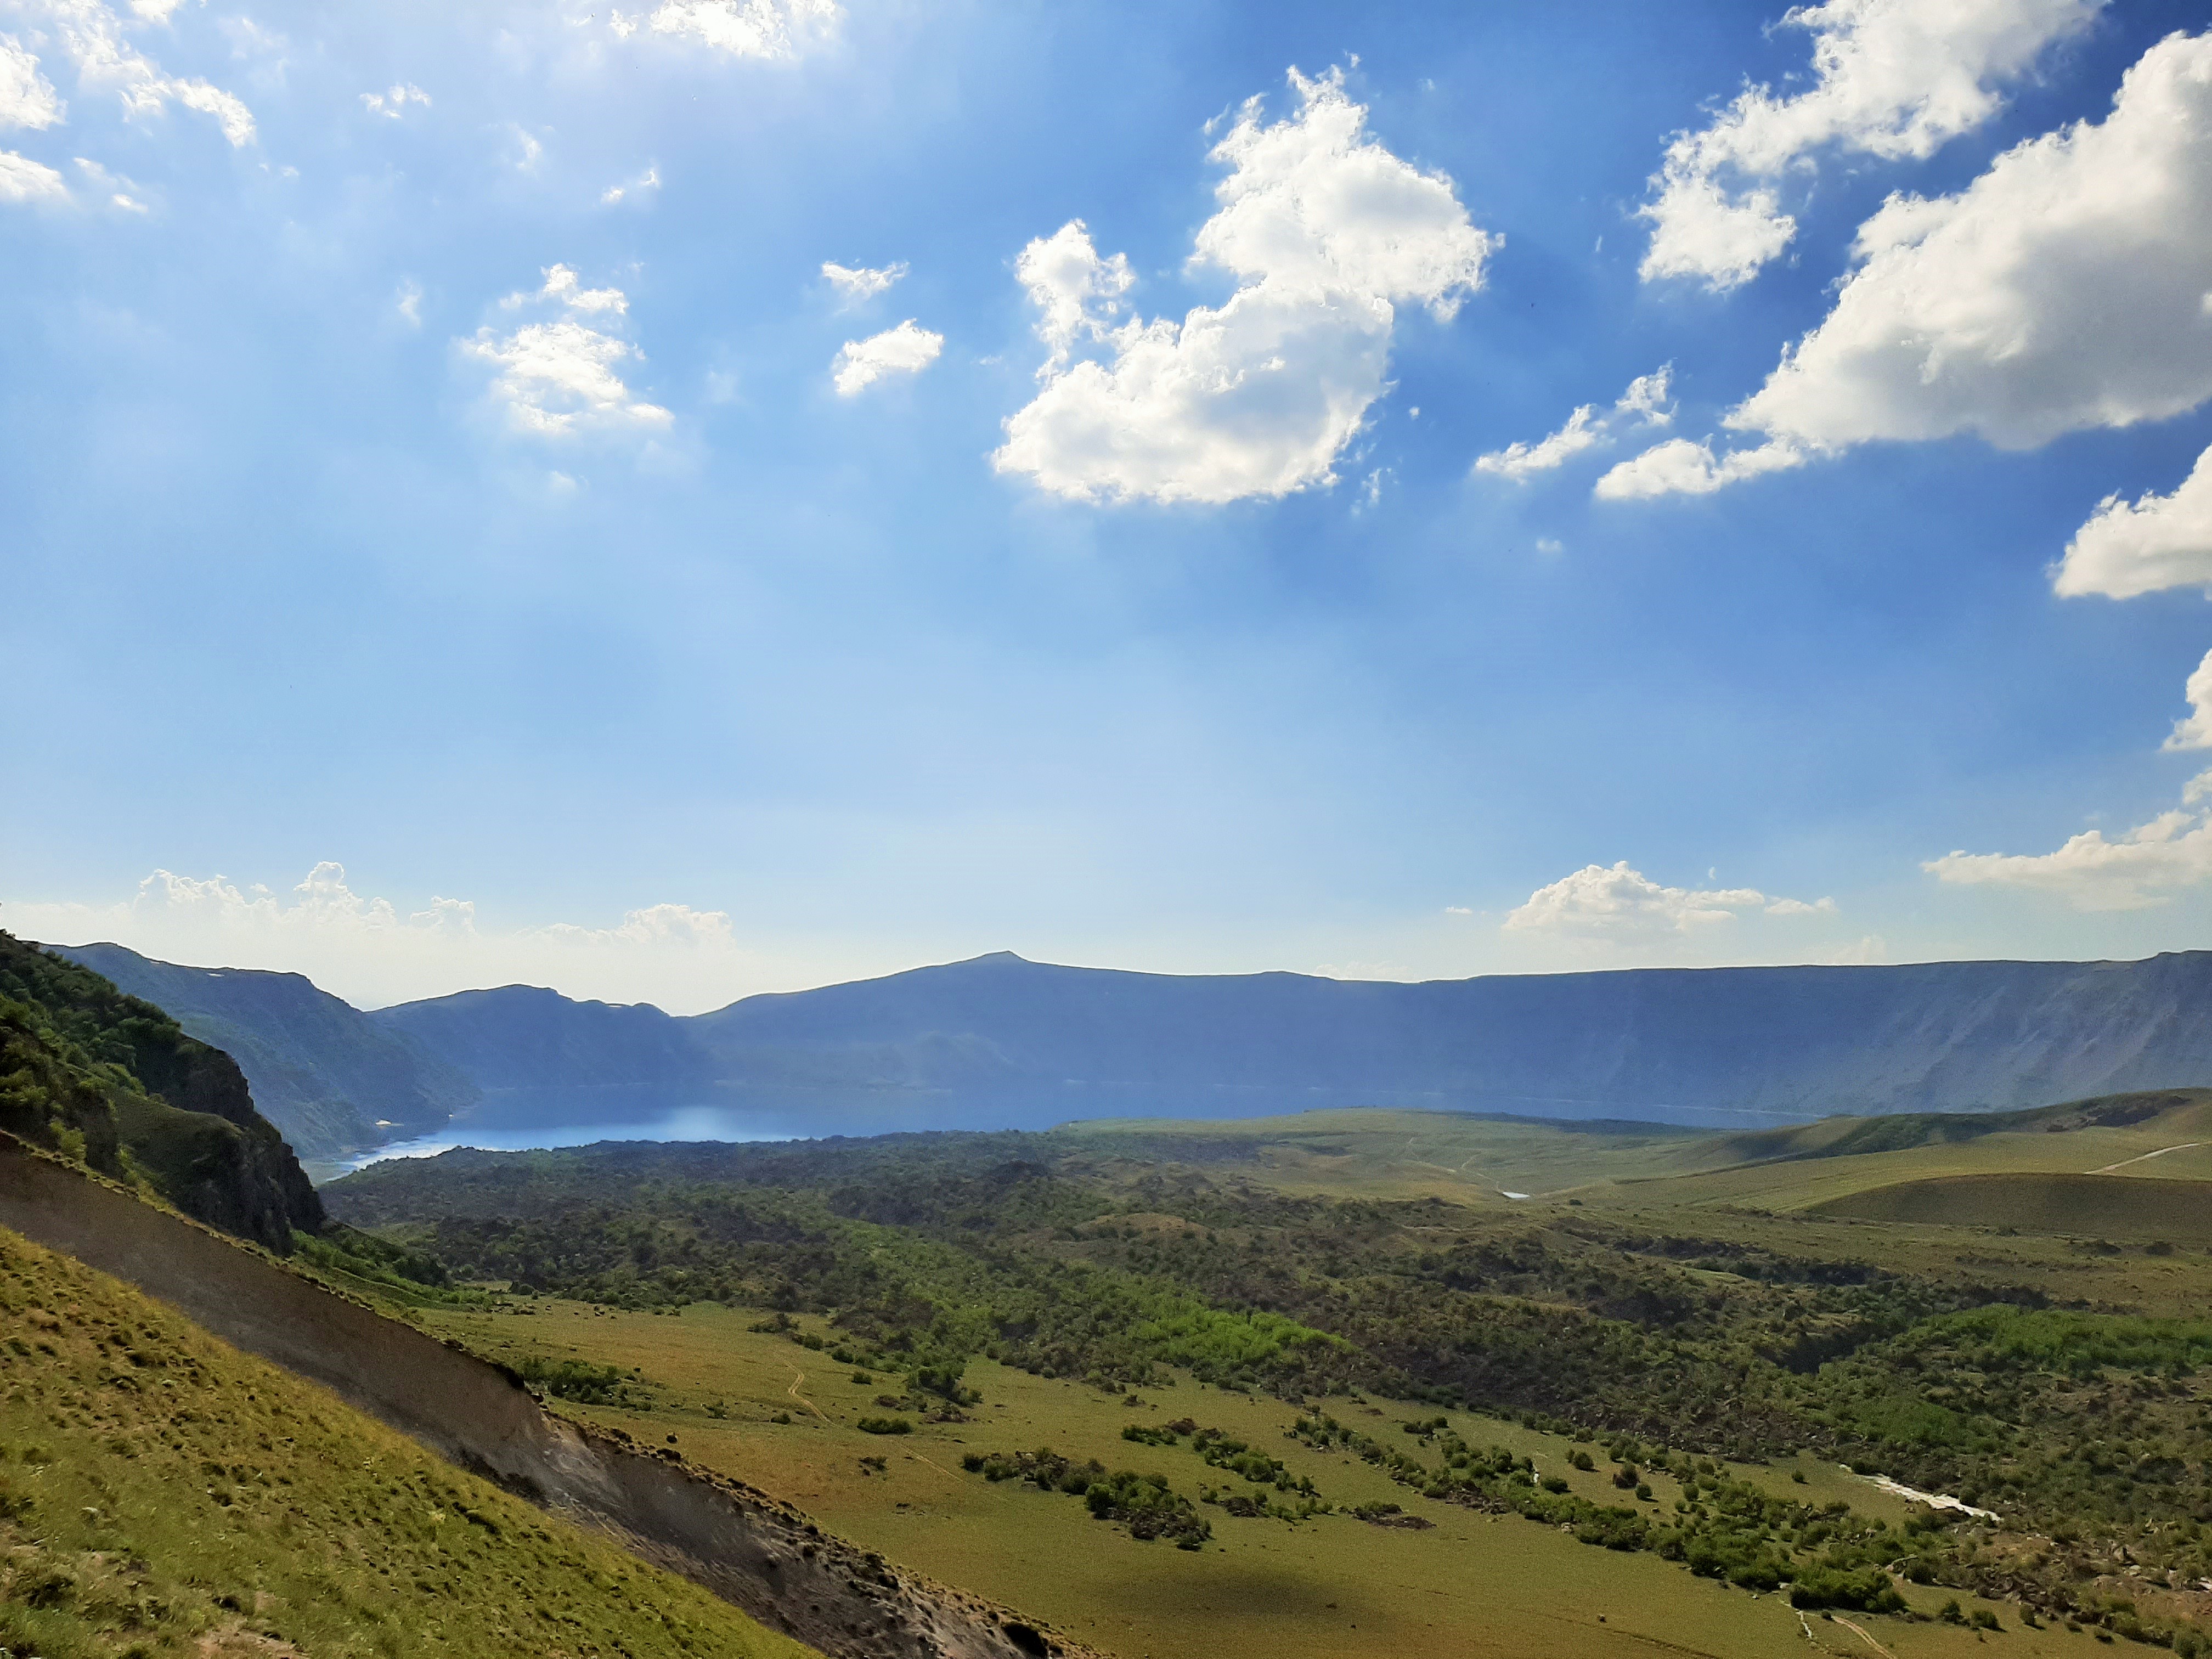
{"points": [[332, 1079], [161, 1492], [749, 1549], [112, 1081]]}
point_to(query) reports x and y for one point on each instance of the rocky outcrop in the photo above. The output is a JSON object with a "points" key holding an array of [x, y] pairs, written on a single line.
{"points": [[753, 1550]]}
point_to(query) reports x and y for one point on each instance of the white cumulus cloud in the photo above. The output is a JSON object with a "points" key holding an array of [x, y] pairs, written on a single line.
{"points": [[906, 349], [2194, 729], [1325, 232], [742, 28], [2144, 867], [2064, 288], [1624, 903], [1643, 403], [2147, 865], [2158, 542], [1680, 466], [857, 284], [564, 376], [1077, 294], [1894, 79], [27, 99], [392, 102], [565, 287]]}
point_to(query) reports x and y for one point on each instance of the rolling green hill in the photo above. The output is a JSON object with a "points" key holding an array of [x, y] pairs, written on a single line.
{"points": [[2135, 1138], [2082, 1206]]}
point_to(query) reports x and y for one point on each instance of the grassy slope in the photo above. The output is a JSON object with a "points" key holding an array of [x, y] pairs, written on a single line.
{"points": [[161, 1492], [1397, 1154], [2115, 1206], [1388, 1153], [1333, 1588], [1816, 1166]]}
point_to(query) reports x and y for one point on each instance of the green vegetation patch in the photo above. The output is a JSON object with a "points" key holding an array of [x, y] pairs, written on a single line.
{"points": [[1146, 1505], [1709, 1334]]}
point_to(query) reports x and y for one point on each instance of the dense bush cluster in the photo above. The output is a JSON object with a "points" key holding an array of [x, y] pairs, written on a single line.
{"points": [[573, 1379], [1145, 1503], [1720, 1529]]}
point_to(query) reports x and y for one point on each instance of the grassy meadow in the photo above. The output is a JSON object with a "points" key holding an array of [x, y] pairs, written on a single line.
{"points": [[1328, 1587], [1473, 1160]]}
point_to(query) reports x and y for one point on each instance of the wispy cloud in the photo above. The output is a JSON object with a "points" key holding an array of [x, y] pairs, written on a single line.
{"points": [[856, 284]]}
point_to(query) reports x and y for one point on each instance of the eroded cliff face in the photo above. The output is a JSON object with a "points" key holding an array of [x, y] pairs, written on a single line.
{"points": [[116, 1083], [753, 1550]]}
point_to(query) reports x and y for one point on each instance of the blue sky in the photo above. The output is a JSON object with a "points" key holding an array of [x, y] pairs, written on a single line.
{"points": [[457, 530]]}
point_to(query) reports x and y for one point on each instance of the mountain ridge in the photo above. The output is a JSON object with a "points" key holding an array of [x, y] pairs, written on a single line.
{"points": [[328, 1075], [997, 1041]]}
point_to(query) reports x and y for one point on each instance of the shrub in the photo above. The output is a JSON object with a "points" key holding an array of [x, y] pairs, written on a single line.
{"points": [[885, 1425], [571, 1379], [1867, 1590]]}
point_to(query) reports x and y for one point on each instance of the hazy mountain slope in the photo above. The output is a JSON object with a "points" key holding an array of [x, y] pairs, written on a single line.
{"points": [[521, 1036], [333, 1078], [1699, 1045], [999, 1042], [112, 1081]]}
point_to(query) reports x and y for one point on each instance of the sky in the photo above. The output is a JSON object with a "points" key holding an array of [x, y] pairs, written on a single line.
{"points": [[744, 494]]}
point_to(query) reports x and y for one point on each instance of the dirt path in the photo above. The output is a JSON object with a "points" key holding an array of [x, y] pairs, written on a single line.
{"points": [[2184, 1146], [1859, 1631], [798, 1381]]}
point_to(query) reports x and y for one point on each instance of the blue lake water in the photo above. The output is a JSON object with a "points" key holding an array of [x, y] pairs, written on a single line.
{"points": [[691, 1123]]}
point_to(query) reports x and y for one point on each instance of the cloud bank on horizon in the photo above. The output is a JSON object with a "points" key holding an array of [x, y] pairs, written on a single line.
{"points": [[877, 475]]}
